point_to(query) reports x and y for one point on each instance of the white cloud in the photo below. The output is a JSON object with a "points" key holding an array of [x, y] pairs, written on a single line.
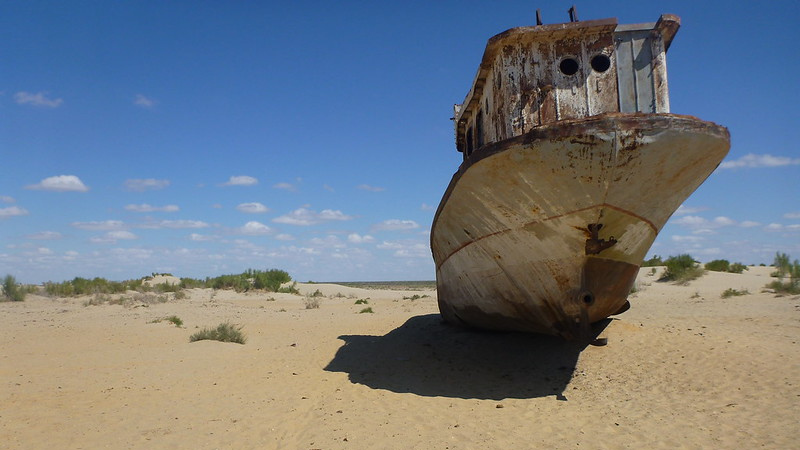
{"points": [[417, 251], [698, 222], [284, 237], [775, 227], [687, 238], [356, 238], [124, 254], [176, 224], [305, 217], [328, 188], [366, 187], [144, 102], [121, 234], [45, 236], [285, 186], [752, 160], [792, 215], [749, 224], [145, 184], [6, 199], [252, 208], [104, 225], [396, 225], [144, 207], [426, 207], [241, 180], [723, 221], [691, 221], [12, 211], [113, 236], [682, 210], [407, 249], [712, 251], [37, 99], [60, 183], [329, 214], [201, 237], [254, 228], [386, 245], [329, 241]]}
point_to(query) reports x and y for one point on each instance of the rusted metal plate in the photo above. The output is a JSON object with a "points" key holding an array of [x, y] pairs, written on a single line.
{"points": [[511, 236]]}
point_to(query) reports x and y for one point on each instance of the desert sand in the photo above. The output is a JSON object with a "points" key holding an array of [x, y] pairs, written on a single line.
{"points": [[683, 368]]}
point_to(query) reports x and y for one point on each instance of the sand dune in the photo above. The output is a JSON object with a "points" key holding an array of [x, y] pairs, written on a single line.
{"points": [[683, 368]]}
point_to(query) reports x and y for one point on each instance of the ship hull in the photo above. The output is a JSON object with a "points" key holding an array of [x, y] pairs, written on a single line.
{"points": [[545, 232]]}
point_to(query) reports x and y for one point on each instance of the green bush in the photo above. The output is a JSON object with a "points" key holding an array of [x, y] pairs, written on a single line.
{"points": [[84, 286], [786, 269], [224, 332], [175, 320], [289, 289], [191, 283], [367, 310], [783, 263], [722, 265], [269, 280], [784, 288], [13, 291], [737, 268], [718, 265], [681, 269], [654, 261], [361, 301], [167, 287]]}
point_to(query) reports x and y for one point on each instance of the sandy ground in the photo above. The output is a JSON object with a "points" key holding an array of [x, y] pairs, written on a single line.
{"points": [[683, 368]]}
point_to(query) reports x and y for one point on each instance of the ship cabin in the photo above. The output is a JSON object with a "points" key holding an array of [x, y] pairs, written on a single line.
{"points": [[538, 75]]}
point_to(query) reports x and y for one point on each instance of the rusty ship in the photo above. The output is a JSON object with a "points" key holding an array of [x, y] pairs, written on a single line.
{"points": [[572, 164]]}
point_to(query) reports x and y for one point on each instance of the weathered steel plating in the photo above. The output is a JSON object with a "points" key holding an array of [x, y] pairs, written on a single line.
{"points": [[572, 164]]}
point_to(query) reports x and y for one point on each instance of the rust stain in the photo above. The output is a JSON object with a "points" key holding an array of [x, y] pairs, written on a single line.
{"points": [[595, 245]]}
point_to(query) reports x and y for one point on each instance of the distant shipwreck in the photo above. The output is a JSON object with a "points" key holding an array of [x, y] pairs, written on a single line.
{"points": [[572, 164]]}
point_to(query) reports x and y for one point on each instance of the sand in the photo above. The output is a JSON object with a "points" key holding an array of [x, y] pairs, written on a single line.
{"points": [[683, 368]]}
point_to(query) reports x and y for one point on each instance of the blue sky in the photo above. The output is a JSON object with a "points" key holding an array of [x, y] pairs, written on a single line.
{"points": [[202, 138]]}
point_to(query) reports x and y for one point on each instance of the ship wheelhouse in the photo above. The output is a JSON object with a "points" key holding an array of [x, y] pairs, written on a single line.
{"points": [[533, 76]]}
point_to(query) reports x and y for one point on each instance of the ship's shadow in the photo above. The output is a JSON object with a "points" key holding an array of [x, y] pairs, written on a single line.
{"points": [[429, 358]]}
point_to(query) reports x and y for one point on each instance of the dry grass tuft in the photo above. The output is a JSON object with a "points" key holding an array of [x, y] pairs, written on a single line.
{"points": [[224, 332]]}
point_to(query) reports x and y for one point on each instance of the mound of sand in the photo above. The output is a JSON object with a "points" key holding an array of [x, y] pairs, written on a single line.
{"points": [[161, 279]]}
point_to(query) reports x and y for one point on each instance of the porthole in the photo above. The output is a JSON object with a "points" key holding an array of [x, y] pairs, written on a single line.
{"points": [[569, 66], [601, 63]]}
